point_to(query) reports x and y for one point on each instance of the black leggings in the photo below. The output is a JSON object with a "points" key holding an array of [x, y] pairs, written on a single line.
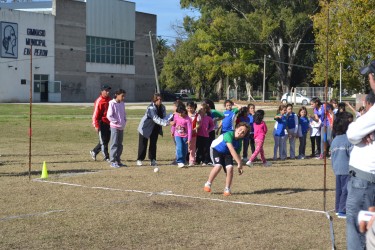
{"points": [[316, 139]]}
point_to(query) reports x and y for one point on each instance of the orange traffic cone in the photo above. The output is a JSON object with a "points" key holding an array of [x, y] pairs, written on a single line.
{"points": [[44, 171]]}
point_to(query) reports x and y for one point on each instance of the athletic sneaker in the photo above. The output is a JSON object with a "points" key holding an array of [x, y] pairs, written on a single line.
{"points": [[107, 160], [121, 165], [249, 163], [93, 155], [267, 164], [207, 187], [180, 165], [341, 215], [153, 163], [245, 159], [114, 165], [139, 163], [319, 157], [191, 164], [226, 192]]}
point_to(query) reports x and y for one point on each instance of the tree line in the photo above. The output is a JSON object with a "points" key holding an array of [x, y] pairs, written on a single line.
{"points": [[228, 44]]}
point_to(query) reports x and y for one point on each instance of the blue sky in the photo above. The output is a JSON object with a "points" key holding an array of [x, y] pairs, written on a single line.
{"points": [[168, 13]]}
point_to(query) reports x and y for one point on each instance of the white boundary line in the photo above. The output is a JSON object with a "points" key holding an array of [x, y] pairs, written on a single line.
{"points": [[168, 193]]}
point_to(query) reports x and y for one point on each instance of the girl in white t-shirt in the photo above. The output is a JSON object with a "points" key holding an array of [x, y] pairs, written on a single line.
{"points": [[315, 137]]}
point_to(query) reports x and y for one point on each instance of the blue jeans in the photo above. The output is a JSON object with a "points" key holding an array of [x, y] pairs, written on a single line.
{"points": [[361, 194], [181, 149], [280, 145], [341, 193]]}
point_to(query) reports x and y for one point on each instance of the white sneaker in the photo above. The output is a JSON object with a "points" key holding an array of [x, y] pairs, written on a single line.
{"points": [[180, 165], [153, 163], [267, 164], [249, 163], [139, 163]]}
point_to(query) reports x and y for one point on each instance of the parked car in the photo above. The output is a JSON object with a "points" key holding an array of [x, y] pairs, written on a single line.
{"points": [[182, 96], [169, 97], [300, 99]]}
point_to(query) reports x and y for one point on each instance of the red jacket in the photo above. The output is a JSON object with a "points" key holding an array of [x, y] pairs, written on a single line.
{"points": [[100, 111]]}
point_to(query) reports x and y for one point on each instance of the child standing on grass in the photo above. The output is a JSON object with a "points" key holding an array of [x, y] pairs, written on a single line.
{"points": [[243, 116], [182, 132], [117, 118], [260, 131], [250, 141], [340, 153], [195, 120], [315, 137], [303, 128], [227, 123], [224, 149], [206, 125], [279, 133], [292, 129]]}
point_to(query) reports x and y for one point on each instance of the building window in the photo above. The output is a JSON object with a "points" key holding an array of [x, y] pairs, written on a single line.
{"points": [[110, 51]]}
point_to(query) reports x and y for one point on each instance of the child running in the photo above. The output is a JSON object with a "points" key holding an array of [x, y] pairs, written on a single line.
{"points": [[260, 131], [340, 153], [224, 149], [303, 128], [279, 133], [182, 132], [117, 118], [195, 120]]}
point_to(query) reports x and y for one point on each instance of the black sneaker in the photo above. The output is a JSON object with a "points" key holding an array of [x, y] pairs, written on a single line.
{"points": [[106, 159], [93, 155]]}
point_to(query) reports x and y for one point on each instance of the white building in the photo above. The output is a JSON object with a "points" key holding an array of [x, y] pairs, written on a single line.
{"points": [[77, 46], [20, 32]]}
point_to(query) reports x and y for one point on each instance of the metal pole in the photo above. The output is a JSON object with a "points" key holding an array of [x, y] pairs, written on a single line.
{"points": [[153, 61], [340, 80], [325, 136], [264, 77], [31, 103]]}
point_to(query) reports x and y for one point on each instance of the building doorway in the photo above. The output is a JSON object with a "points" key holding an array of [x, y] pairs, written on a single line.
{"points": [[41, 86]]}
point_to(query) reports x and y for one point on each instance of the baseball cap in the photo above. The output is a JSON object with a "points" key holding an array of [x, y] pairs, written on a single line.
{"points": [[368, 69], [105, 87]]}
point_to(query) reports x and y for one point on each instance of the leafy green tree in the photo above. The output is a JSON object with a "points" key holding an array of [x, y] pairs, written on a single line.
{"points": [[351, 39], [271, 27]]}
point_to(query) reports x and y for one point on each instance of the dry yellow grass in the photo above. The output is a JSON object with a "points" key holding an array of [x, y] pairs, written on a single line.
{"points": [[103, 209]]}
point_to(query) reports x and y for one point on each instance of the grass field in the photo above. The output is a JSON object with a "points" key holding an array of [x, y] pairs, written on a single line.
{"points": [[85, 204]]}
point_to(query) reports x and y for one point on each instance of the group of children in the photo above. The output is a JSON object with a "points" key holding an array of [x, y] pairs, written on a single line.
{"points": [[193, 133]]}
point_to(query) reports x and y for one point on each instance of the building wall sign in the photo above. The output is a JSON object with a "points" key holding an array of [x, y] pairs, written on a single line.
{"points": [[9, 40], [36, 42]]}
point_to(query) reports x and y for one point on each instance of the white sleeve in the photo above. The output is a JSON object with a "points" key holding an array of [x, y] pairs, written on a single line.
{"points": [[297, 124], [363, 126]]}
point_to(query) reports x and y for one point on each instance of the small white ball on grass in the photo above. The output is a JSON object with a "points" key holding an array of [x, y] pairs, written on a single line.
{"points": [[156, 170]]}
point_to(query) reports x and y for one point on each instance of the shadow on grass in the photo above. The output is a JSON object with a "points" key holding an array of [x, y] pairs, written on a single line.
{"points": [[50, 172], [282, 191], [9, 163]]}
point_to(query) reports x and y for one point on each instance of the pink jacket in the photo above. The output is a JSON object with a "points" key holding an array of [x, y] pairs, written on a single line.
{"points": [[206, 126], [116, 114], [182, 126], [260, 131]]}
